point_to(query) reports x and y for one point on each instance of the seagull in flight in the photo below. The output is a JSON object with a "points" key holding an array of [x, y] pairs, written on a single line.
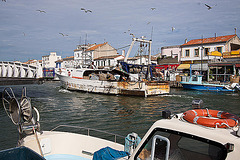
{"points": [[209, 7], [83, 9], [153, 9], [148, 23], [41, 11], [173, 29], [63, 34], [4, 0], [132, 34]]}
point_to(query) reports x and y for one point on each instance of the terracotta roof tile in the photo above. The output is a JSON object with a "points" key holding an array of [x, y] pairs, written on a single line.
{"points": [[108, 57], [96, 46], [209, 40], [68, 58]]}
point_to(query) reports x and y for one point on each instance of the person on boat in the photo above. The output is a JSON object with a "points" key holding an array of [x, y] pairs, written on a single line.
{"points": [[196, 73], [93, 66]]}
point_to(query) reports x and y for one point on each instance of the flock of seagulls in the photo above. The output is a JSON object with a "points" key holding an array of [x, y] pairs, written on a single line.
{"points": [[87, 10]]}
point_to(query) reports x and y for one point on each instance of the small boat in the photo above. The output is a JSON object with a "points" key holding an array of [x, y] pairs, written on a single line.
{"points": [[114, 82], [195, 83], [195, 134]]}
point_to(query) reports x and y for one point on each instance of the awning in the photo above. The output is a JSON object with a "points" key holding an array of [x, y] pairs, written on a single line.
{"points": [[215, 53], [183, 66], [167, 66], [203, 67], [237, 65], [234, 52]]}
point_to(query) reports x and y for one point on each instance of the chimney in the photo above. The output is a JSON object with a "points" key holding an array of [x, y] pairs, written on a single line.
{"points": [[186, 40], [215, 35]]}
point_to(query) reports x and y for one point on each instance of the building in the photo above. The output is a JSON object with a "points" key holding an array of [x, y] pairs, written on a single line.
{"points": [[141, 60], [108, 61], [85, 54], [202, 52], [34, 62], [223, 71], [171, 51], [48, 61], [67, 62], [208, 49]]}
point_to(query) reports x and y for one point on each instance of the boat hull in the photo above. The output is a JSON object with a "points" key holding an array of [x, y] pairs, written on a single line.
{"points": [[114, 87], [206, 87]]}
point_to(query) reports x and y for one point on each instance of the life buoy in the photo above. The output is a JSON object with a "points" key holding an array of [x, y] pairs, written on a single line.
{"points": [[211, 118], [69, 73]]}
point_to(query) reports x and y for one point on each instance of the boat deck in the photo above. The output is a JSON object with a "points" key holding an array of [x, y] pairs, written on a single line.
{"points": [[64, 157]]}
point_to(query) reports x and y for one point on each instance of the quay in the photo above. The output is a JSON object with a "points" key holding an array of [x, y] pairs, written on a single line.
{"points": [[19, 81], [175, 84]]}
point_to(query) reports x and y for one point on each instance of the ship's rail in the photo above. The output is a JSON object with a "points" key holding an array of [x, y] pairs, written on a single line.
{"points": [[92, 130]]}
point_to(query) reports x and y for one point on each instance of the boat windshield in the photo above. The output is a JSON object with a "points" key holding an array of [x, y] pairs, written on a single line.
{"points": [[182, 147]]}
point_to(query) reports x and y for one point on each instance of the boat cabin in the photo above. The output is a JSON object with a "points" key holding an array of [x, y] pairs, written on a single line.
{"points": [[175, 138], [196, 79]]}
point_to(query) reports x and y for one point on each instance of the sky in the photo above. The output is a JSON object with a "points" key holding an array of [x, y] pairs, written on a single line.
{"points": [[27, 33]]}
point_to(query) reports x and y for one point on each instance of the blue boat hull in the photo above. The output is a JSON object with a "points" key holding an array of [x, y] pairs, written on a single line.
{"points": [[203, 87]]}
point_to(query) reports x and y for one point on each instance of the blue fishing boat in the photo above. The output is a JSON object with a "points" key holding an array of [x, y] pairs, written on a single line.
{"points": [[195, 82]]}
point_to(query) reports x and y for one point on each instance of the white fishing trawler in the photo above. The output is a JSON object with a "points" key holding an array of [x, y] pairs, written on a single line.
{"points": [[196, 134], [116, 81]]}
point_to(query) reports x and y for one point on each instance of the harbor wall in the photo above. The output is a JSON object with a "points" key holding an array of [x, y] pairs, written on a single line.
{"points": [[19, 81]]}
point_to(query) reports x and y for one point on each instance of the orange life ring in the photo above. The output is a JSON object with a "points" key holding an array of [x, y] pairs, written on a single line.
{"points": [[211, 118]]}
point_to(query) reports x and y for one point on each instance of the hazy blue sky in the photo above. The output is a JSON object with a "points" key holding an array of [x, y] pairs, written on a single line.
{"points": [[26, 33]]}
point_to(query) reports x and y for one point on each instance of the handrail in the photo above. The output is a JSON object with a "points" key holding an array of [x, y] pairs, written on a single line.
{"points": [[88, 129]]}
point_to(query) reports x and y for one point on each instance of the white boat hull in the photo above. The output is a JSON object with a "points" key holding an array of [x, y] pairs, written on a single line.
{"points": [[114, 87]]}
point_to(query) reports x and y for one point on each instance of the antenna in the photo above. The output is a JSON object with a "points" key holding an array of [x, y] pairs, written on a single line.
{"points": [[86, 39], [152, 33], [80, 40]]}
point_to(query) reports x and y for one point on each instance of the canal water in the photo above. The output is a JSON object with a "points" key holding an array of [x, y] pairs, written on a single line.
{"points": [[115, 114]]}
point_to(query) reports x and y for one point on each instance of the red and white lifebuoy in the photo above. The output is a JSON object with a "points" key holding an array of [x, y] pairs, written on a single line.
{"points": [[69, 73], [211, 118]]}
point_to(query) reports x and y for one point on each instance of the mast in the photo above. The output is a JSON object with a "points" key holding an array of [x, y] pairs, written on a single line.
{"points": [[149, 42]]}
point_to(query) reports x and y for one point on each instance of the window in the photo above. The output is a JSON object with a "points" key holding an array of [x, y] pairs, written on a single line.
{"points": [[196, 52], [187, 53], [219, 49], [182, 145], [109, 62], [206, 50]]}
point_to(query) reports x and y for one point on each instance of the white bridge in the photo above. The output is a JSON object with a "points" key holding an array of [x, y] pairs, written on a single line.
{"points": [[20, 70]]}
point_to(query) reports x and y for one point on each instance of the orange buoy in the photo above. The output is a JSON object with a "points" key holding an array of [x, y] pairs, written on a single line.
{"points": [[211, 118]]}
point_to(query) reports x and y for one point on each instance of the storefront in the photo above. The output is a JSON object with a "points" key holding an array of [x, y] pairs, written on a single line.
{"points": [[237, 66], [221, 71]]}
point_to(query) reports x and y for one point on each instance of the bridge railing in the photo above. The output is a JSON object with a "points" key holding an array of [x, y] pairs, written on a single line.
{"points": [[17, 69]]}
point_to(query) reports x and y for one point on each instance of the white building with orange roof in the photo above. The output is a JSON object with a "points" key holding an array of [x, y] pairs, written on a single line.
{"points": [[85, 54], [34, 62], [207, 50]]}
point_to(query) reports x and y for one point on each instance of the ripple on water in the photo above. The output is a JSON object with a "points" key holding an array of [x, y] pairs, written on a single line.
{"points": [[117, 114]]}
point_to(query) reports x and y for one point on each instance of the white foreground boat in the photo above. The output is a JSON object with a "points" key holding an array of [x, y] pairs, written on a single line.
{"points": [[174, 137], [114, 82]]}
